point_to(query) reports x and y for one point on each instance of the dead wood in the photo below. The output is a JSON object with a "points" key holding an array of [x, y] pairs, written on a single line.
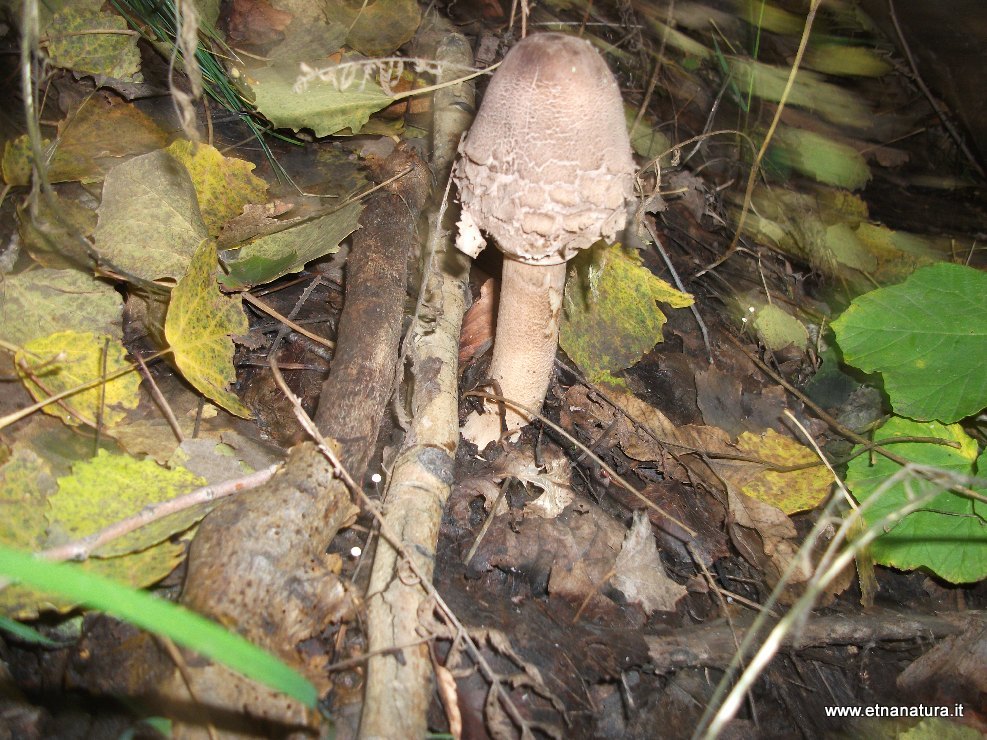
{"points": [[714, 645], [258, 563], [361, 379], [399, 686]]}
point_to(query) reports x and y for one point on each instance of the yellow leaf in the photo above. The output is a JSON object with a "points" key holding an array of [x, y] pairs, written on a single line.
{"points": [[110, 488], [794, 491], [198, 326], [224, 185], [71, 359]]}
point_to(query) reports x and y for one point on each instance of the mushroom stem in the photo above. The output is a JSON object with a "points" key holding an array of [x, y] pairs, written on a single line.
{"points": [[524, 348]]}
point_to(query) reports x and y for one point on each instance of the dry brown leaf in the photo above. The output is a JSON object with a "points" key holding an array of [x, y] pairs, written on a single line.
{"points": [[640, 575], [479, 323]]}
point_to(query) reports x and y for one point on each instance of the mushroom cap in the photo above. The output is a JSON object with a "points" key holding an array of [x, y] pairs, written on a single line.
{"points": [[546, 168]]}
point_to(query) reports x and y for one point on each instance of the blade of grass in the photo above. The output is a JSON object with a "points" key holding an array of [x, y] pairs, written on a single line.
{"points": [[160, 617]]}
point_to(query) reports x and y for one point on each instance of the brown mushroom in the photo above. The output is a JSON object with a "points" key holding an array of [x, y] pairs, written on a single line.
{"points": [[546, 170]]}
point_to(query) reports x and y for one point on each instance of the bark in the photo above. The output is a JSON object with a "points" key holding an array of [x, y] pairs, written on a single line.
{"points": [[361, 379], [714, 645], [399, 687]]}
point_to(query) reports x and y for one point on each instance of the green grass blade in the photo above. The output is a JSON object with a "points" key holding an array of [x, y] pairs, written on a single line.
{"points": [[160, 617]]}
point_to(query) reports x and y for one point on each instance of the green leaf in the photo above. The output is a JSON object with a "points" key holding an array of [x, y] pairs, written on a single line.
{"points": [[327, 107], [149, 220], [270, 257], [158, 616], [928, 338], [69, 359], [847, 61], [198, 326], [819, 157], [810, 91], [949, 534], [37, 303], [611, 319], [779, 329]]}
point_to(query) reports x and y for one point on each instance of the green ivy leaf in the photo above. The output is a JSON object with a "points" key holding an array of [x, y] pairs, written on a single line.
{"points": [[927, 337]]}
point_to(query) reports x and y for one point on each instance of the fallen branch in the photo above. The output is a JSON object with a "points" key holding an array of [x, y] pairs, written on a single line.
{"points": [[422, 475], [714, 645]]}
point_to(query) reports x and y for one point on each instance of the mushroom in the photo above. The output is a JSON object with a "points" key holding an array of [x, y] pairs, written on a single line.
{"points": [[546, 170]]}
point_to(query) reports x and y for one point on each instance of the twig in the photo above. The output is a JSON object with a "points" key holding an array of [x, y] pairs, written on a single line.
{"points": [[586, 450], [270, 311], [943, 116], [161, 400]]}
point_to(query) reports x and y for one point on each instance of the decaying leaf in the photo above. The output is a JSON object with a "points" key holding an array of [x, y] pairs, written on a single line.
{"points": [[149, 220], [640, 575], [69, 359], [83, 39], [376, 27], [26, 482], [792, 491], [767, 539], [553, 477], [223, 185], [55, 234], [611, 317], [110, 488], [37, 303], [198, 328]]}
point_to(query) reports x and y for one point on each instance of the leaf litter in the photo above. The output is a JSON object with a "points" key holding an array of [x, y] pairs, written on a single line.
{"points": [[566, 534]]}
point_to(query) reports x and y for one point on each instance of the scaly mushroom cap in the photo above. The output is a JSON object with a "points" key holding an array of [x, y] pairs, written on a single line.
{"points": [[546, 168]]}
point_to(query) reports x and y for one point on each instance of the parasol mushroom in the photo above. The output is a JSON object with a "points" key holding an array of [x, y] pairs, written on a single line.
{"points": [[546, 170]]}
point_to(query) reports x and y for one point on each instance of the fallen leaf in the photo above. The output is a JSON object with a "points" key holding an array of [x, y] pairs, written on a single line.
{"points": [[223, 185], [37, 303], [149, 221], [793, 491], [640, 576], [611, 317], [289, 250], [198, 328], [85, 40], [70, 359]]}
